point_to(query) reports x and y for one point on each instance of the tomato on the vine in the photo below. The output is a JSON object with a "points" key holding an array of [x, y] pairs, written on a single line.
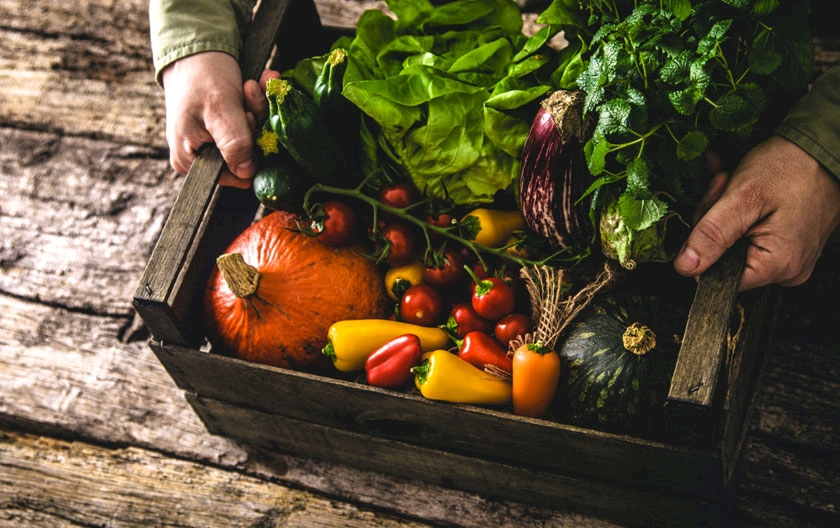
{"points": [[463, 319], [335, 224], [511, 326], [400, 243], [481, 271], [423, 305], [442, 219], [398, 195], [448, 270], [491, 297]]}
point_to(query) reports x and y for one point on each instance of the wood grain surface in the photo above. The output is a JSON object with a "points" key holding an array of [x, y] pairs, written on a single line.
{"points": [[93, 431]]}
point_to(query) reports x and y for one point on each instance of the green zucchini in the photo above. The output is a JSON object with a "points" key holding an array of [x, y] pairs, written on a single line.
{"points": [[328, 85], [302, 130]]}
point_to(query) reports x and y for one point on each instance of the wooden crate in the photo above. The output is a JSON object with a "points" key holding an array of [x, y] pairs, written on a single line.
{"points": [[682, 481]]}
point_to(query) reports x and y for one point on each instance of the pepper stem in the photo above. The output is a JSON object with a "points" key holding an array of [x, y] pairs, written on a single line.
{"points": [[421, 371], [329, 351], [242, 278], [639, 339]]}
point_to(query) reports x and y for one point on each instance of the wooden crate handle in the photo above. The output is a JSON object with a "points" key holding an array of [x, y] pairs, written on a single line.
{"points": [[700, 365], [154, 299]]}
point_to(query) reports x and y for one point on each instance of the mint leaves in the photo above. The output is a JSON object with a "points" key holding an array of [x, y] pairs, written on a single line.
{"points": [[668, 79]]}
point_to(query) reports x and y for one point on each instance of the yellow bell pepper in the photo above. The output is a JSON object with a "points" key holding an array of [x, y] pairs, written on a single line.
{"points": [[351, 341], [444, 376], [495, 227], [400, 278]]}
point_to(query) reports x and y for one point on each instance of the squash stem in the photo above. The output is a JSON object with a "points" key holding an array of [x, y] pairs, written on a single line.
{"points": [[242, 278], [639, 339]]}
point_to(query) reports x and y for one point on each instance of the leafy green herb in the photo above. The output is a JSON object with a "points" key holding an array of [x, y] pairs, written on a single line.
{"points": [[669, 79]]}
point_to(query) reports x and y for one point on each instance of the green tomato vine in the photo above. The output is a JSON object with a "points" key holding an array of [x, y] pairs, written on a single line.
{"points": [[454, 232]]}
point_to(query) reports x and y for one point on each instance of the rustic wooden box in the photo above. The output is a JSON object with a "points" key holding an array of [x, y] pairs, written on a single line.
{"points": [[682, 481]]}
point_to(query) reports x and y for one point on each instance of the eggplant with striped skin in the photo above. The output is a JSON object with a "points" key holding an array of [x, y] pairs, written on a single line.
{"points": [[554, 173]]}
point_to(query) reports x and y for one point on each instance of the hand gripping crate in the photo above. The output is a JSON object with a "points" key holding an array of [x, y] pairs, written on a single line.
{"points": [[683, 481]]}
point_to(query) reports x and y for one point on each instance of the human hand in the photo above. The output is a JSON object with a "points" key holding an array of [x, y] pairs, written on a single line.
{"points": [[782, 200], [207, 102]]}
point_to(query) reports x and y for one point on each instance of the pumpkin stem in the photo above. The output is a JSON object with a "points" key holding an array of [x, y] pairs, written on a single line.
{"points": [[639, 339], [242, 278]]}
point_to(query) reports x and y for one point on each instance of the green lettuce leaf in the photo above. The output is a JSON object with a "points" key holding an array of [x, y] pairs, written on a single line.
{"points": [[449, 93]]}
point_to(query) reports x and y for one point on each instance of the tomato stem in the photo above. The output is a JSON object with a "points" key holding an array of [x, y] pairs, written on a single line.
{"points": [[405, 214]]}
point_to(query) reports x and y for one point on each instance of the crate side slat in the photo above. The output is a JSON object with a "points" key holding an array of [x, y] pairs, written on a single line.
{"points": [[631, 506], [745, 368], [477, 431], [169, 259], [690, 407]]}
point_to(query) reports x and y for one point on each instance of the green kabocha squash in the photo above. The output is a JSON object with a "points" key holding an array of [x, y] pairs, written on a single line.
{"points": [[275, 186], [618, 358]]}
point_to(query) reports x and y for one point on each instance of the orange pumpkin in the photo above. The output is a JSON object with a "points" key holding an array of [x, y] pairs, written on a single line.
{"points": [[275, 292]]}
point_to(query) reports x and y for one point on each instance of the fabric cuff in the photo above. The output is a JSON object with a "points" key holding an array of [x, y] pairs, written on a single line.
{"points": [[814, 121]]}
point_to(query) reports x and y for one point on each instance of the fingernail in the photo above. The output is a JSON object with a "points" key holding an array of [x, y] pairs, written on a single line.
{"points": [[245, 170], [687, 260]]}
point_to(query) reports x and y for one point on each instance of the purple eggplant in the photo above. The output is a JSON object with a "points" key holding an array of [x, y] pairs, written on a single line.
{"points": [[554, 173]]}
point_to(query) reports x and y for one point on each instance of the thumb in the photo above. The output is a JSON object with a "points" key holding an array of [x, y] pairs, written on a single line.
{"points": [[231, 132], [718, 230]]}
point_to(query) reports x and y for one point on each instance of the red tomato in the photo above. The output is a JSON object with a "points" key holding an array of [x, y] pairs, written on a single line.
{"points": [[492, 298], [400, 241], [449, 273], [480, 271], [399, 195], [463, 320], [335, 224], [443, 220], [511, 326], [422, 305]]}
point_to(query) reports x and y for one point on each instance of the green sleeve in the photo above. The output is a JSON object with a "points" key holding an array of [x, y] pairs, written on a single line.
{"points": [[179, 28], [814, 122]]}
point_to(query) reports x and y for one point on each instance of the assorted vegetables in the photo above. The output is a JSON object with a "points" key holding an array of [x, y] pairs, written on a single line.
{"points": [[452, 198]]}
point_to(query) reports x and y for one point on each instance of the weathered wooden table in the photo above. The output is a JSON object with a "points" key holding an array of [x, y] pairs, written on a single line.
{"points": [[93, 431]]}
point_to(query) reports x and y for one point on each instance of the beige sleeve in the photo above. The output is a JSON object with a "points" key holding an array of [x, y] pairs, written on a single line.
{"points": [[179, 28]]}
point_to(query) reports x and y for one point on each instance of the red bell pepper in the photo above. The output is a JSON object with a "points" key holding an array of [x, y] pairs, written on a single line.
{"points": [[480, 349], [389, 366]]}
